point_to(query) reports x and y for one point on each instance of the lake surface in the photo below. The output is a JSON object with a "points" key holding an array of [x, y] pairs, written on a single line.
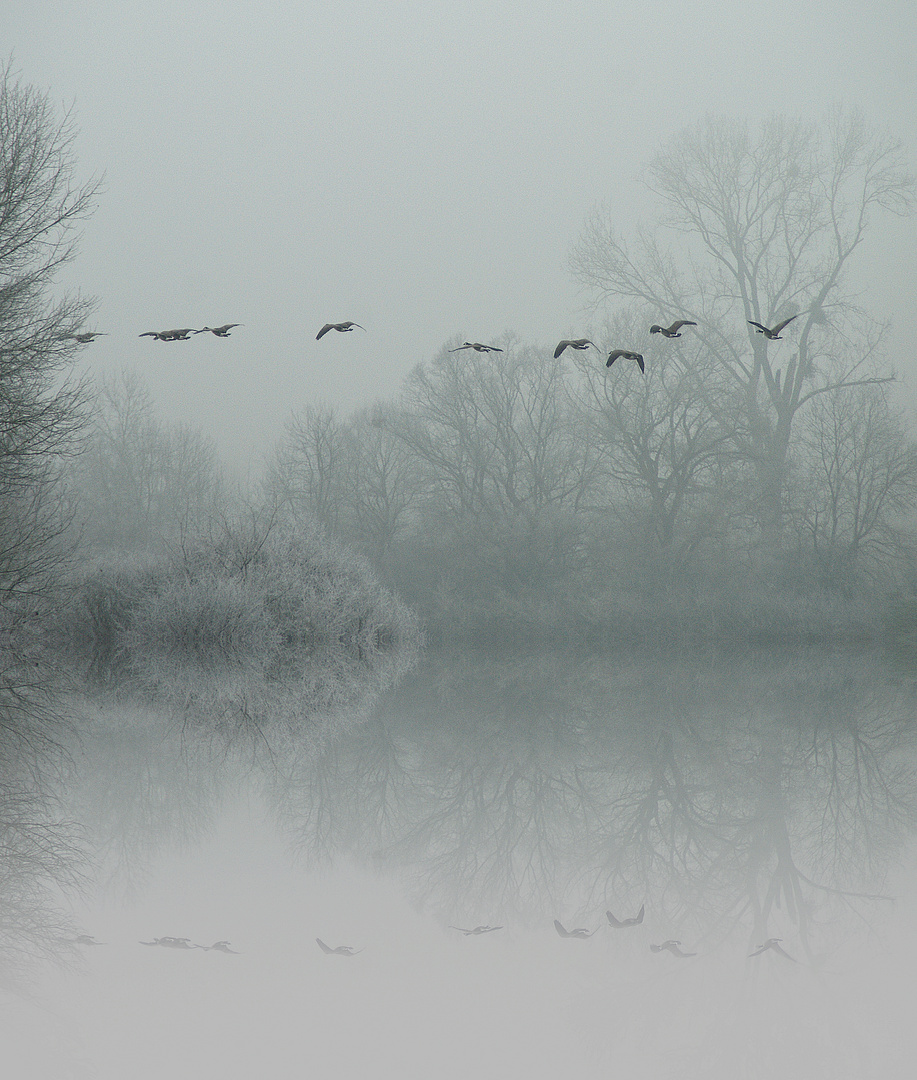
{"points": [[738, 799]]}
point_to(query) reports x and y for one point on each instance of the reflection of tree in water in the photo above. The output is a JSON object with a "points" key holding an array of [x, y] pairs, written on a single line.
{"points": [[41, 851], [763, 796], [139, 789]]}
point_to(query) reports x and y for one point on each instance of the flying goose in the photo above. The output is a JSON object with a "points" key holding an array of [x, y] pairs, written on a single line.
{"points": [[627, 355], [87, 939], [476, 930], [774, 334], [341, 327], [773, 943], [621, 924], [219, 331], [477, 346], [579, 932], [341, 950], [673, 948], [90, 335], [172, 943], [169, 335], [220, 946], [577, 343], [673, 330]]}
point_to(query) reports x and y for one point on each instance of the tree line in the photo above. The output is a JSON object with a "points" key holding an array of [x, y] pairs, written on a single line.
{"points": [[514, 481]]}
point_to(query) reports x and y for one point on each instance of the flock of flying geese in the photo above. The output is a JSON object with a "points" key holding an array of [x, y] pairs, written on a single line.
{"points": [[674, 331], [672, 945]]}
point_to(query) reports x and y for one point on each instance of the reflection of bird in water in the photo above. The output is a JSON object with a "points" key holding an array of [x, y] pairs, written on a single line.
{"points": [[87, 939], [172, 943], [220, 946], [673, 948], [341, 950], [84, 339], [579, 932], [774, 944], [169, 335], [476, 930], [774, 334], [576, 343], [627, 355], [219, 331], [673, 330], [341, 327], [621, 924], [477, 346]]}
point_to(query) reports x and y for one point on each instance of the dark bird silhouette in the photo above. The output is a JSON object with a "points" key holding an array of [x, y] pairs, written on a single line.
{"points": [[621, 924], [84, 339], [579, 932], [169, 335], [577, 343], [219, 331], [476, 930], [172, 943], [673, 948], [774, 944], [625, 354], [341, 327], [477, 346], [87, 939], [772, 334], [341, 950], [673, 330], [220, 946]]}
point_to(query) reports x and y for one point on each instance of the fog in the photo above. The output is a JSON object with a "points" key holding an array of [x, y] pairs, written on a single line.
{"points": [[422, 173], [738, 798], [428, 699]]}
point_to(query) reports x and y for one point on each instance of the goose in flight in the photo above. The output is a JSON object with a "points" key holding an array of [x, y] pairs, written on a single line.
{"points": [[90, 335], [172, 943], [341, 950], [220, 946], [621, 924], [626, 354], [673, 948], [477, 346], [576, 343], [671, 331], [774, 333], [773, 943], [219, 331], [169, 335], [579, 932], [87, 939], [341, 327], [476, 930]]}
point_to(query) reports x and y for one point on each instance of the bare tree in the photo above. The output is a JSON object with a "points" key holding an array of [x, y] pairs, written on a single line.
{"points": [[857, 484], [664, 453], [138, 480], [496, 433], [307, 469], [41, 410], [769, 226]]}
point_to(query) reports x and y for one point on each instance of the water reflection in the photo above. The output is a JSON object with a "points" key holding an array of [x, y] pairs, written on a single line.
{"points": [[668, 857], [740, 799]]}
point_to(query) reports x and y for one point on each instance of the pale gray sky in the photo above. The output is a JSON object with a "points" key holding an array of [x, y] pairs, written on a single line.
{"points": [[421, 169]]}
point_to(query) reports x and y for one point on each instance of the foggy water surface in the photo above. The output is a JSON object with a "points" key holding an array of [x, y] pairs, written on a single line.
{"points": [[763, 799]]}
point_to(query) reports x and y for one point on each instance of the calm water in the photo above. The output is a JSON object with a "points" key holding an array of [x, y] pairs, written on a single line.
{"points": [[735, 799]]}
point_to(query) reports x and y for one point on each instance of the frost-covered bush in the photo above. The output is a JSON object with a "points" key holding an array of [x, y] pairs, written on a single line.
{"points": [[256, 625]]}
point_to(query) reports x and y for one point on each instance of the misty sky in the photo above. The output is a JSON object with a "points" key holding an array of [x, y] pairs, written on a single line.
{"points": [[421, 169]]}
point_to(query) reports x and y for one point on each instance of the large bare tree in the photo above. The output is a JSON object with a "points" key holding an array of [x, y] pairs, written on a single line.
{"points": [[767, 224], [41, 409]]}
